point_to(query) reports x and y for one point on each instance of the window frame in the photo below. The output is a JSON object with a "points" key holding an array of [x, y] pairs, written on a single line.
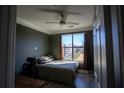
{"points": [[72, 44]]}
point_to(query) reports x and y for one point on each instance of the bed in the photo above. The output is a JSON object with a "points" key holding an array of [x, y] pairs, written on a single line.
{"points": [[60, 71]]}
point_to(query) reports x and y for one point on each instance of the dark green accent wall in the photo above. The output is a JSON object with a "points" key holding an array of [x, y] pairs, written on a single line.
{"points": [[26, 41], [55, 45]]}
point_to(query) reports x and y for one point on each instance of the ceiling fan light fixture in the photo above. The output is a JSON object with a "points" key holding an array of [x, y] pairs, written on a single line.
{"points": [[62, 22]]}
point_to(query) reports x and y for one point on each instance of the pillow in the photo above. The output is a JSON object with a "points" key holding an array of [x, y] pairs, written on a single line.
{"points": [[40, 60], [44, 59], [48, 58]]}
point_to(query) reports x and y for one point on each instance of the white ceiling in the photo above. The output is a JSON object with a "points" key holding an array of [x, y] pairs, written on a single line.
{"points": [[32, 16]]}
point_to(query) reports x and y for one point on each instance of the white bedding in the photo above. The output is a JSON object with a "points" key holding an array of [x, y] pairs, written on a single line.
{"points": [[71, 65]]}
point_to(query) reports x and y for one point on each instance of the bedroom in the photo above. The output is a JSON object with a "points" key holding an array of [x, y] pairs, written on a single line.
{"points": [[57, 31], [72, 46]]}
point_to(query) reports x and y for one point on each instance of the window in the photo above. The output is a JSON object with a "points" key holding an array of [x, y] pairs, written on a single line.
{"points": [[73, 47], [67, 46]]}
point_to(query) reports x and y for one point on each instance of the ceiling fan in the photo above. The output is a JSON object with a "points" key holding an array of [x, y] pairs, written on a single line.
{"points": [[63, 17]]}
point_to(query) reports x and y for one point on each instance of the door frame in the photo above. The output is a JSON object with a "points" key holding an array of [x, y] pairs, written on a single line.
{"points": [[7, 45]]}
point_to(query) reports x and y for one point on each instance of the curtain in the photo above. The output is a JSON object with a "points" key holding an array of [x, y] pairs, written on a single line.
{"points": [[88, 51]]}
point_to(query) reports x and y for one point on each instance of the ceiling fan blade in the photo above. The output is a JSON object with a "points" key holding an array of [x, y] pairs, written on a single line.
{"points": [[52, 11], [60, 11], [52, 22], [68, 23], [72, 23]]}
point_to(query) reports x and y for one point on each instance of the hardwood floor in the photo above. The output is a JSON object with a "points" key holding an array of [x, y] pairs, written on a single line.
{"points": [[27, 82], [82, 80]]}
